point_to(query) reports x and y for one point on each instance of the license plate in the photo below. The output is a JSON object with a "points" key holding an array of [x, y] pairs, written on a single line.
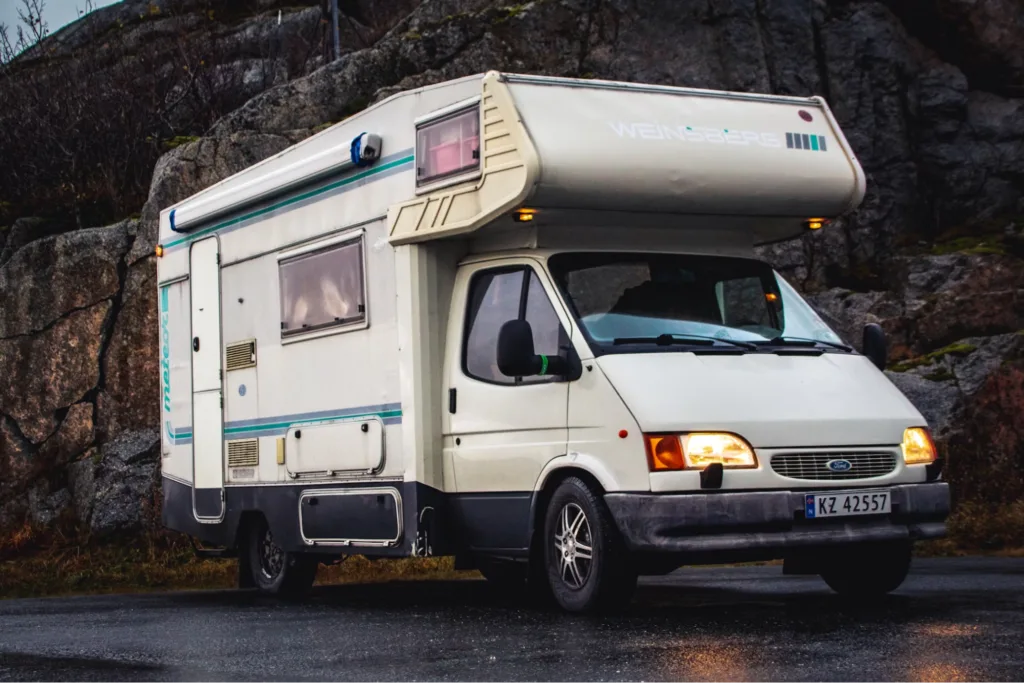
{"points": [[846, 504]]}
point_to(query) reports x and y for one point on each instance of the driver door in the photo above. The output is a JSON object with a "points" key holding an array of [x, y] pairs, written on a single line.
{"points": [[501, 430]]}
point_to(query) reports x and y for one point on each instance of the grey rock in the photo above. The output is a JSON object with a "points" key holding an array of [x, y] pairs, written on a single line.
{"points": [[51, 370], [43, 506], [16, 462], [51, 277], [129, 399], [941, 403], [82, 485], [72, 438], [22, 232], [982, 38], [122, 483]]}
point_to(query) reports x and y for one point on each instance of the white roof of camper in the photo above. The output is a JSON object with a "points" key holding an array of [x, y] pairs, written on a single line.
{"points": [[586, 145], [624, 146], [557, 143]]}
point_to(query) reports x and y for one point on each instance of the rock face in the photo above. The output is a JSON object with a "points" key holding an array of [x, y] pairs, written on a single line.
{"points": [[930, 94]]}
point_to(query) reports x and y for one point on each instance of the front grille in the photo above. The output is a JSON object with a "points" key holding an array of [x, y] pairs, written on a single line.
{"points": [[815, 465]]}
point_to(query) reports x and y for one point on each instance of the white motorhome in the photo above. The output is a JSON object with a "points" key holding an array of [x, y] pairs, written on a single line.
{"points": [[519, 320]]}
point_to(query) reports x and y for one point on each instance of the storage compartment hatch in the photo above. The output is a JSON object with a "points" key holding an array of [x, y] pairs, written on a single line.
{"points": [[344, 447], [356, 517]]}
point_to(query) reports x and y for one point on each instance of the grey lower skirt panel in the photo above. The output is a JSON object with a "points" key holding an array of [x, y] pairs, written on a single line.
{"points": [[379, 518]]}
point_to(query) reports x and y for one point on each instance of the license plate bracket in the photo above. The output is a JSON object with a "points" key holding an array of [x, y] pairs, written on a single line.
{"points": [[828, 504]]}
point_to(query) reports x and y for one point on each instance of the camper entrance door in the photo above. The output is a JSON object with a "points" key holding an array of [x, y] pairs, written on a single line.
{"points": [[207, 403]]}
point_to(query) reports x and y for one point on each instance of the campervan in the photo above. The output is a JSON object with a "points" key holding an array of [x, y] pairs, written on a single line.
{"points": [[519, 320]]}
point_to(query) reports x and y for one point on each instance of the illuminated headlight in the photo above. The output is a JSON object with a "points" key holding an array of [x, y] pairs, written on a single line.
{"points": [[918, 447], [697, 450]]}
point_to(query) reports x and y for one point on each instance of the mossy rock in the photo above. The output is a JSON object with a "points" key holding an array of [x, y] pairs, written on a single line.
{"points": [[957, 350], [178, 141]]}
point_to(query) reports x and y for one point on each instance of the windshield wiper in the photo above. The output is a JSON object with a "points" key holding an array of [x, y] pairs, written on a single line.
{"points": [[805, 341], [694, 339]]}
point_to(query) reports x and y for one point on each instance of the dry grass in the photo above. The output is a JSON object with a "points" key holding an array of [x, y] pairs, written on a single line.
{"points": [[982, 528], [36, 563]]}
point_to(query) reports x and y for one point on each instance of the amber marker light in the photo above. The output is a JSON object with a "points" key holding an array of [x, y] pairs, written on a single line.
{"points": [[918, 447], [663, 452], [772, 297], [816, 223], [524, 215], [159, 250]]}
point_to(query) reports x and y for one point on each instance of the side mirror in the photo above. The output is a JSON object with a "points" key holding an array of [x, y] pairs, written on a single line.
{"points": [[875, 346], [516, 357]]}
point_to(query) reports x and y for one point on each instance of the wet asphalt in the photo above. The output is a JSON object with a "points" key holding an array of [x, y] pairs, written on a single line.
{"points": [[954, 619]]}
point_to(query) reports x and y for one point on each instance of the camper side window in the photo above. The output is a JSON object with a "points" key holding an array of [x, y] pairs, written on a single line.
{"points": [[323, 289], [495, 297]]}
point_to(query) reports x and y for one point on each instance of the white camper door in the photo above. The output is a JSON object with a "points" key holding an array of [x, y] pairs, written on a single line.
{"points": [[207, 407]]}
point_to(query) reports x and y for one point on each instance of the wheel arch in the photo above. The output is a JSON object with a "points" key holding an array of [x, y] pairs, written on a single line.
{"points": [[587, 468]]}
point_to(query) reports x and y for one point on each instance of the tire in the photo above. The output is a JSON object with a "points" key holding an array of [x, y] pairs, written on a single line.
{"points": [[275, 571], [601, 580], [867, 571]]}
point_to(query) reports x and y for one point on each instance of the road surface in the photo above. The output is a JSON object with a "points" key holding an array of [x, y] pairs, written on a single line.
{"points": [[954, 619]]}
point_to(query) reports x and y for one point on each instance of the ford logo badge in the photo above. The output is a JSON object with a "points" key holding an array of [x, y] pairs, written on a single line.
{"points": [[839, 465]]}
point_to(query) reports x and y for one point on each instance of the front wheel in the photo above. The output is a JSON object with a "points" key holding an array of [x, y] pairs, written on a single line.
{"points": [[870, 570], [274, 570], [588, 566]]}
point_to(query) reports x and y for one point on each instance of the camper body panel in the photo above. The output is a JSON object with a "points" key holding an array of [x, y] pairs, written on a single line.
{"points": [[384, 430], [341, 386]]}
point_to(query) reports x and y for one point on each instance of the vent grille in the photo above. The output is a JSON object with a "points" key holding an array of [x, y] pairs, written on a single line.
{"points": [[241, 355], [815, 465], [244, 453]]}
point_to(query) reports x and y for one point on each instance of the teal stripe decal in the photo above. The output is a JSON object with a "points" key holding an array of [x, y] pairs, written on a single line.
{"points": [[388, 416], [309, 194]]}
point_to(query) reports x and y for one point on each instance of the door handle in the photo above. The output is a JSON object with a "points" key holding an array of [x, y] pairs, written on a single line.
{"points": [[195, 344]]}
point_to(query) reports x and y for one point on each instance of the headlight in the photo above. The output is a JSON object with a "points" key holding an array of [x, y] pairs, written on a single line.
{"points": [[697, 450], [918, 447]]}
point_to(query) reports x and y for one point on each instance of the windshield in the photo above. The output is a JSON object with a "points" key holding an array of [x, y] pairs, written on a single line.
{"points": [[626, 298]]}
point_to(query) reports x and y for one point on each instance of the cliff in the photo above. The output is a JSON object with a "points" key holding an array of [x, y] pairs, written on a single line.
{"points": [[930, 94]]}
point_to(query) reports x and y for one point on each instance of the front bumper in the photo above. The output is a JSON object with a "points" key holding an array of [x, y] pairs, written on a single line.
{"points": [[767, 524]]}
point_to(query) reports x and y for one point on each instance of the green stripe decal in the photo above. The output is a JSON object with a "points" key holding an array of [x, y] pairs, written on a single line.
{"points": [[290, 201]]}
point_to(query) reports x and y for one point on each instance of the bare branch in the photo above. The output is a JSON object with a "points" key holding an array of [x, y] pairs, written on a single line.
{"points": [[31, 15], [6, 47]]}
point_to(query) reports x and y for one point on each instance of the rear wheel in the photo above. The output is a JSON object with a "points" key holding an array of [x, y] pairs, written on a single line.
{"points": [[588, 566], [274, 570], [869, 570]]}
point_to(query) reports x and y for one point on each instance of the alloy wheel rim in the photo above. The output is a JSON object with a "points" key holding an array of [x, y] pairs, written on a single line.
{"points": [[574, 546], [271, 556]]}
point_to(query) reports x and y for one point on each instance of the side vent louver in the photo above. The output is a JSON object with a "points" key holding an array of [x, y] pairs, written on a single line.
{"points": [[241, 355], [244, 453]]}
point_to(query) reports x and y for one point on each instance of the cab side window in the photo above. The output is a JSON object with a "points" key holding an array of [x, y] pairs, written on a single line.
{"points": [[495, 297]]}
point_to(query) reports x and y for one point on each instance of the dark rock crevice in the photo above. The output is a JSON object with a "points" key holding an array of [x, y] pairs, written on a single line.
{"points": [[107, 334], [58, 320]]}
